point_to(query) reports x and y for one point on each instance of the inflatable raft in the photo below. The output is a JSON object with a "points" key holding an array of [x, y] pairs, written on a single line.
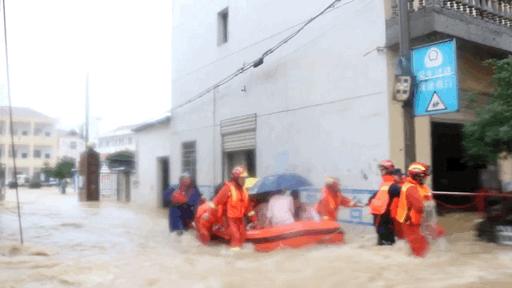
{"points": [[295, 235]]}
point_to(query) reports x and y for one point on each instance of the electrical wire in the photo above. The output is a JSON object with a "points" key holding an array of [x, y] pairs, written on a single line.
{"points": [[258, 61], [179, 78], [13, 150]]}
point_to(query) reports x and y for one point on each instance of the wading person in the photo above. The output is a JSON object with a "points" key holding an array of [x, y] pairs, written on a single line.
{"points": [[332, 199], [184, 201], [381, 204], [415, 201], [235, 200]]}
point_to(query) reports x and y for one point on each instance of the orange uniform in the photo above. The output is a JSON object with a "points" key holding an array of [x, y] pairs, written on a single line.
{"points": [[235, 199], [206, 217], [410, 213], [331, 200]]}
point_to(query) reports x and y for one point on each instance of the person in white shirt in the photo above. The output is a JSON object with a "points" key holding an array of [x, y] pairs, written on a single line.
{"points": [[280, 210]]}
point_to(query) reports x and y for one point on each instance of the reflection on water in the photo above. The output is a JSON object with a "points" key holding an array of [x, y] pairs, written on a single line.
{"points": [[108, 244]]}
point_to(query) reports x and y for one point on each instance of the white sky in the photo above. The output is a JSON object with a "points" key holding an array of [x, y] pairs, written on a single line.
{"points": [[125, 45]]}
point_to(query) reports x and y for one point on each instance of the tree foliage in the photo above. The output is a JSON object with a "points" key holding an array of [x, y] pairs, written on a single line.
{"points": [[491, 133], [63, 168]]}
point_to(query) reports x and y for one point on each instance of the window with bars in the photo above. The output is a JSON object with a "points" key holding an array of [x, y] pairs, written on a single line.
{"points": [[188, 158]]}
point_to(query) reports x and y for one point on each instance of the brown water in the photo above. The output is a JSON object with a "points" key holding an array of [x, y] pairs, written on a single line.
{"points": [[72, 244]]}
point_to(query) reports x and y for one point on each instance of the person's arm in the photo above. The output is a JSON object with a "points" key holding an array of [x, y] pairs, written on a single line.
{"points": [[345, 201], [222, 197]]}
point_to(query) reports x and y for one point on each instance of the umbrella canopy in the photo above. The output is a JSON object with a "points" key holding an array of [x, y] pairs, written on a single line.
{"points": [[277, 182]]}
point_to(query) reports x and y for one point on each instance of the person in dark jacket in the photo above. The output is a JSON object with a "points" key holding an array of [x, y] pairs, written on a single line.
{"points": [[184, 201], [382, 204]]}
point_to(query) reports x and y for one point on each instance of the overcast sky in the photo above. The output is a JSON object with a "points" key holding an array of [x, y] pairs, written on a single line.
{"points": [[125, 45]]}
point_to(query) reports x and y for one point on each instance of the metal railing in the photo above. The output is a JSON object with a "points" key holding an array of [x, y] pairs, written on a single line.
{"points": [[495, 11]]}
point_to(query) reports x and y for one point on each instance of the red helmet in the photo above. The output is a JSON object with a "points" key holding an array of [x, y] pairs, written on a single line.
{"points": [[387, 165], [418, 169], [238, 172]]}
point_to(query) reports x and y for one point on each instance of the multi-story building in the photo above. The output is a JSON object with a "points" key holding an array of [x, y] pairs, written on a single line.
{"points": [[119, 139], [322, 103], [71, 145], [35, 142]]}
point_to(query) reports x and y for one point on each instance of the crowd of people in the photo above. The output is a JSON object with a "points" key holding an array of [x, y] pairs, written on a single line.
{"points": [[401, 208]]}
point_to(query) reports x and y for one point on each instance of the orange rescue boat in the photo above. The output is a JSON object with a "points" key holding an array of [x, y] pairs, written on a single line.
{"points": [[295, 235]]}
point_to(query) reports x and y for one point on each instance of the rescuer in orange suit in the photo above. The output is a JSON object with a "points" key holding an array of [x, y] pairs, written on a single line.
{"points": [[381, 203], [414, 196], [235, 200], [332, 199], [206, 217]]}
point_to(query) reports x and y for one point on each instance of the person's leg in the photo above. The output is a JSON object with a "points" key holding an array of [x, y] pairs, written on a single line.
{"points": [[203, 231], [175, 219], [388, 235], [234, 230], [417, 242]]}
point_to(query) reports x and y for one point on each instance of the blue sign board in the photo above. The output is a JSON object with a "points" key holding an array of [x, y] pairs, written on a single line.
{"points": [[435, 69]]}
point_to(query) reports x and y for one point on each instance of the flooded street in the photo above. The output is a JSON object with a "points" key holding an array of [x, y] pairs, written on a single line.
{"points": [[108, 244]]}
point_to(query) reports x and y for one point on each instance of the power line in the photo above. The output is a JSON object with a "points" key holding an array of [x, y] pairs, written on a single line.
{"points": [[251, 45], [298, 108], [13, 150], [258, 61]]}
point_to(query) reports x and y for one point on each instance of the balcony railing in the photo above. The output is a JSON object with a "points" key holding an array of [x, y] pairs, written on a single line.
{"points": [[495, 11]]}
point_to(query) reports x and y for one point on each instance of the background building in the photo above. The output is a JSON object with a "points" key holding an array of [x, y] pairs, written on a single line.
{"points": [[71, 145], [35, 138], [119, 139], [322, 103], [152, 162]]}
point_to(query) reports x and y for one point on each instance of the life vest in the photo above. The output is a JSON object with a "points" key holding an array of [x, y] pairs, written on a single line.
{"points": [[404, 213], [379, 203], [179, 197], [238, 201]]}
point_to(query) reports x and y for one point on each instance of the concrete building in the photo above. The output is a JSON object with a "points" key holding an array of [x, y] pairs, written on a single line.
{"points": [[152, 162], [119, 139], [71, 145], [322, 104], [35, 140]]}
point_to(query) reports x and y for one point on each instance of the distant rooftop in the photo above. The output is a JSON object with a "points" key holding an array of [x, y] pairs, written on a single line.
{"points": [[165, 119], [121, 130], [22, 112]]}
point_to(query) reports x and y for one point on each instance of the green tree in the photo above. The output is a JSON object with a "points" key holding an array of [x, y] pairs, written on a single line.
{"points": [[64, 168], [491, 133]]}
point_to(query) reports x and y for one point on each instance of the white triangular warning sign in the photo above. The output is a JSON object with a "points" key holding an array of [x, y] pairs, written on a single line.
{"points": [[435, 103]]}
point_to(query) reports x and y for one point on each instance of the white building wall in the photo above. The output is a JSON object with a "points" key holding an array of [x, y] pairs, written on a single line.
{"points": [[321, 100], [152, 144]]}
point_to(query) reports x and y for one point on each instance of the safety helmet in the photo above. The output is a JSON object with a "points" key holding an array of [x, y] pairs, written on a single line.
{"points": [[331, 180], [418, 169], [387, 165], [238, 172]]}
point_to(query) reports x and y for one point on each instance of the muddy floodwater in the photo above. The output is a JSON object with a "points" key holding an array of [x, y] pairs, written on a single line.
{"points": [[109, 244]]}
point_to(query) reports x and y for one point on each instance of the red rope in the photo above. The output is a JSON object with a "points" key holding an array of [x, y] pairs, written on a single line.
{"points": [[456, 206]]}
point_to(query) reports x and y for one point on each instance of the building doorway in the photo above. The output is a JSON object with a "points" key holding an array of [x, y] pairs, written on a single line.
{"points": [[163, 181], [244, 158], [450, 170]]}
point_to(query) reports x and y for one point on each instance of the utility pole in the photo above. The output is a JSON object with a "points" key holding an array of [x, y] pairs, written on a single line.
{"points": [[405, 67], [86, 132]]}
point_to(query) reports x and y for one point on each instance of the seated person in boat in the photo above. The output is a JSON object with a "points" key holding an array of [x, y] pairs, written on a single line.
{"points": [[280, 209]]}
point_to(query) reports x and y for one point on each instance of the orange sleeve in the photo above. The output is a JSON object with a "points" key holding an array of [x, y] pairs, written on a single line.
{"points": [[222, 197], [344, 201]]}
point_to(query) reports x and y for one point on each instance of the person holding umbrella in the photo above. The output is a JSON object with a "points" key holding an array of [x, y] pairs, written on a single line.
{"points": [[332, 199], [234, 197]]}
